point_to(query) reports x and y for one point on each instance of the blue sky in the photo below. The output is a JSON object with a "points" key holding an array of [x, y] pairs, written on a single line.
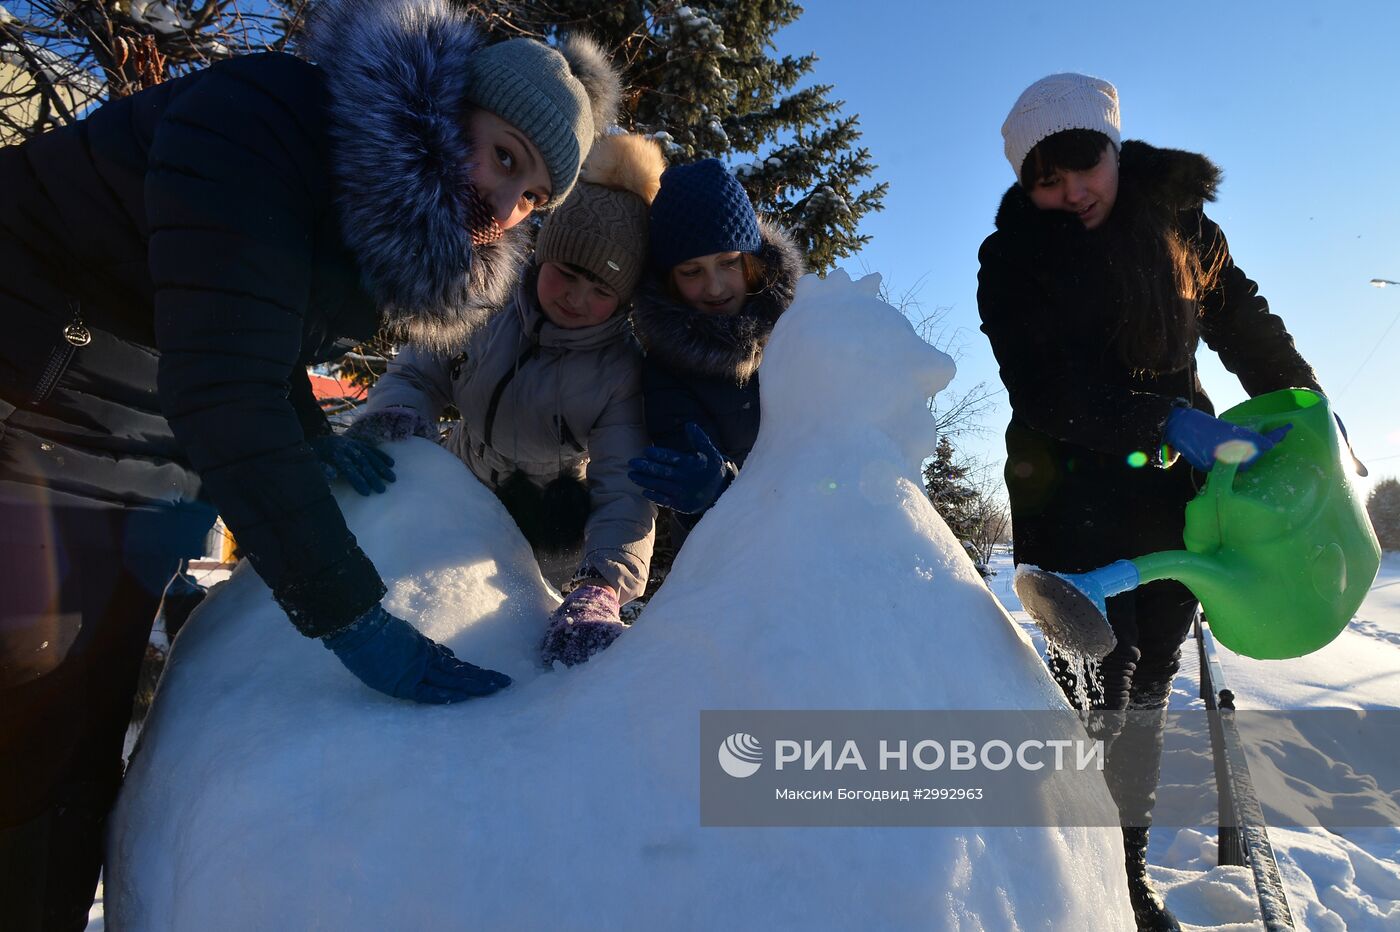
{"points": [[1299, 103]]}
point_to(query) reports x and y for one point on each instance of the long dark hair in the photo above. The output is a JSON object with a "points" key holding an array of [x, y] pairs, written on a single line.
{"points": [[1155, 273]]}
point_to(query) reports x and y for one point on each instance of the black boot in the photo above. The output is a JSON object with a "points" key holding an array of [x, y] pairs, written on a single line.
{"points": [[1149, 909]]}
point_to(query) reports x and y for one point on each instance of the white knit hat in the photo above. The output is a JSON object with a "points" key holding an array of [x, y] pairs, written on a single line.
{"points": [[1057, 103]]}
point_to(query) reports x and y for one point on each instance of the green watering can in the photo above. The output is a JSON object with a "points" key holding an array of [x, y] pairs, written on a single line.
{"points": [[1280, 556]]}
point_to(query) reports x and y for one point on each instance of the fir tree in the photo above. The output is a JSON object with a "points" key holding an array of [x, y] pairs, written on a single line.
{"points": [[703, 78], [953, 495], [1383, 505]]}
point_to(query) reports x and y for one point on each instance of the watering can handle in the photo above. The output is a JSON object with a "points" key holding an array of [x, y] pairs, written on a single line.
{"points": [[1221, 484]]}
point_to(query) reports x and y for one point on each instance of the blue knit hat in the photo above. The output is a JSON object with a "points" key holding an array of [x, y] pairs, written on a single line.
{"points": [[701, 209]]}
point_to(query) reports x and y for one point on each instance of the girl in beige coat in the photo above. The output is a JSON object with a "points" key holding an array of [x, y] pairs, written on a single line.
{"points": [[550, 398]]}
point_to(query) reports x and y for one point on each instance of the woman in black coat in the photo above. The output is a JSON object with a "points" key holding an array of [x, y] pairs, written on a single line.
{"points": [[1101, 279], [169, 266]]}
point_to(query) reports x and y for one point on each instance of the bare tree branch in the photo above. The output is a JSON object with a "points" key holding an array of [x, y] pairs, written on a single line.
{"points": [[37, 72], [80, 51]]}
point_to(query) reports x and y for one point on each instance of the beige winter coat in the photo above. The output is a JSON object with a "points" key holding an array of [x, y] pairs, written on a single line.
{"points": [[549, 402]]}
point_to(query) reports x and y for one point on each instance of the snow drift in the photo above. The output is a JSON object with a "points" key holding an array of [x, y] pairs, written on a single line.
{"points": [[273, 790]]}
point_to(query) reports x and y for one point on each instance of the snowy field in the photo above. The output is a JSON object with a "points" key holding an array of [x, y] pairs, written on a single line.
{"points": [[1334, 881]]}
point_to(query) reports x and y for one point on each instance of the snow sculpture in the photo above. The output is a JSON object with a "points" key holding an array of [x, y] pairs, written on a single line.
{"points": [[272, 790]]}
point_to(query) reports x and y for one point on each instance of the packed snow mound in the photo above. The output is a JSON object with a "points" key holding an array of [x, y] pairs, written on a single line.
{"points": [[272, 790]]}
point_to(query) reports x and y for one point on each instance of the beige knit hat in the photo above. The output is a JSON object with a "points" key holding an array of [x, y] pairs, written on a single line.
{"points": [[602, 227], [1057, 103]]}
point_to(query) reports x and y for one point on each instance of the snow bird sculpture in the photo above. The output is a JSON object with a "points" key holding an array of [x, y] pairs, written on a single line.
{"points": [[272, 790]]}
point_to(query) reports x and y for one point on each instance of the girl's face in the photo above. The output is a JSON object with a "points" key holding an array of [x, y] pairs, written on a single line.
{"points": [[1088, 194], [712, 284], [570, 299], [509, 173]]}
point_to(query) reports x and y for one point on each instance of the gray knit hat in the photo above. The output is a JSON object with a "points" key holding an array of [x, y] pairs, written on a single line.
{"points": [[602, 227], [1057, 103], [560, 99]]}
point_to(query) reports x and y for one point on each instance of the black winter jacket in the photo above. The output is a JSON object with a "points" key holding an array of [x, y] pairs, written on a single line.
{"points": [[216, 234], [1079, 414], [702, 368]]}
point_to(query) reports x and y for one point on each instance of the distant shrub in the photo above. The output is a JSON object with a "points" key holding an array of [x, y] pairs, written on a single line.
{"points": [[1383, 505]]}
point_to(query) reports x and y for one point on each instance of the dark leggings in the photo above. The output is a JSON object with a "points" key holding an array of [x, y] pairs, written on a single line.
{"points": [[1151, 623], [81, 587]]}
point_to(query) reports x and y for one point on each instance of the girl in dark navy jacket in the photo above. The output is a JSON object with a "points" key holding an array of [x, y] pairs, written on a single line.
{"points": [[720, 279]]}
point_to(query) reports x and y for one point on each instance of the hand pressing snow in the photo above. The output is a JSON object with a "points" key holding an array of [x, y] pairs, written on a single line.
{"points": [[586, 622], [389, 655], [394, 423], [363, 465], [685, 482]]}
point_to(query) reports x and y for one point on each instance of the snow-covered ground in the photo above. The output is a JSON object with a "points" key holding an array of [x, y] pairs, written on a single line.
{"points": [[1334, 881]]}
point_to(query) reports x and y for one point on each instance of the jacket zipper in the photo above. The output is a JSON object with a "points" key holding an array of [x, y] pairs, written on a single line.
{"points": [[74, 336], [500, 389], [566, 435]]}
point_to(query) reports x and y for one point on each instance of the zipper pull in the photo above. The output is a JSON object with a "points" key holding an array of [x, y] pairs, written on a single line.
{"points": [[75, 335]]}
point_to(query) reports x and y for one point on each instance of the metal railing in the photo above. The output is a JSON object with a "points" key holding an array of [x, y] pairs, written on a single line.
{"points": [[1243, 839]]}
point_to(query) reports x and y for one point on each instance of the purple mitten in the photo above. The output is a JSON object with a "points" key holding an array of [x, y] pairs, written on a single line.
{"points": [[584, 624], [396, 422]]}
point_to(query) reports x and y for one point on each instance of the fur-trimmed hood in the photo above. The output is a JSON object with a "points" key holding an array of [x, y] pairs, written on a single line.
{"points": [[397, 75], [1170, 179], [687, 340]]}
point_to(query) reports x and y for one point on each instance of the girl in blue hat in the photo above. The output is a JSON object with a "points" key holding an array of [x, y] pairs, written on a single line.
{"points": [[720, 278]]}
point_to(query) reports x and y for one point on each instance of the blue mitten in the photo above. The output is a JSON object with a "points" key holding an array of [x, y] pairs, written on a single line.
{"points": [[1202, 439], [365, 467], [685, 482], [389, 655]]}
